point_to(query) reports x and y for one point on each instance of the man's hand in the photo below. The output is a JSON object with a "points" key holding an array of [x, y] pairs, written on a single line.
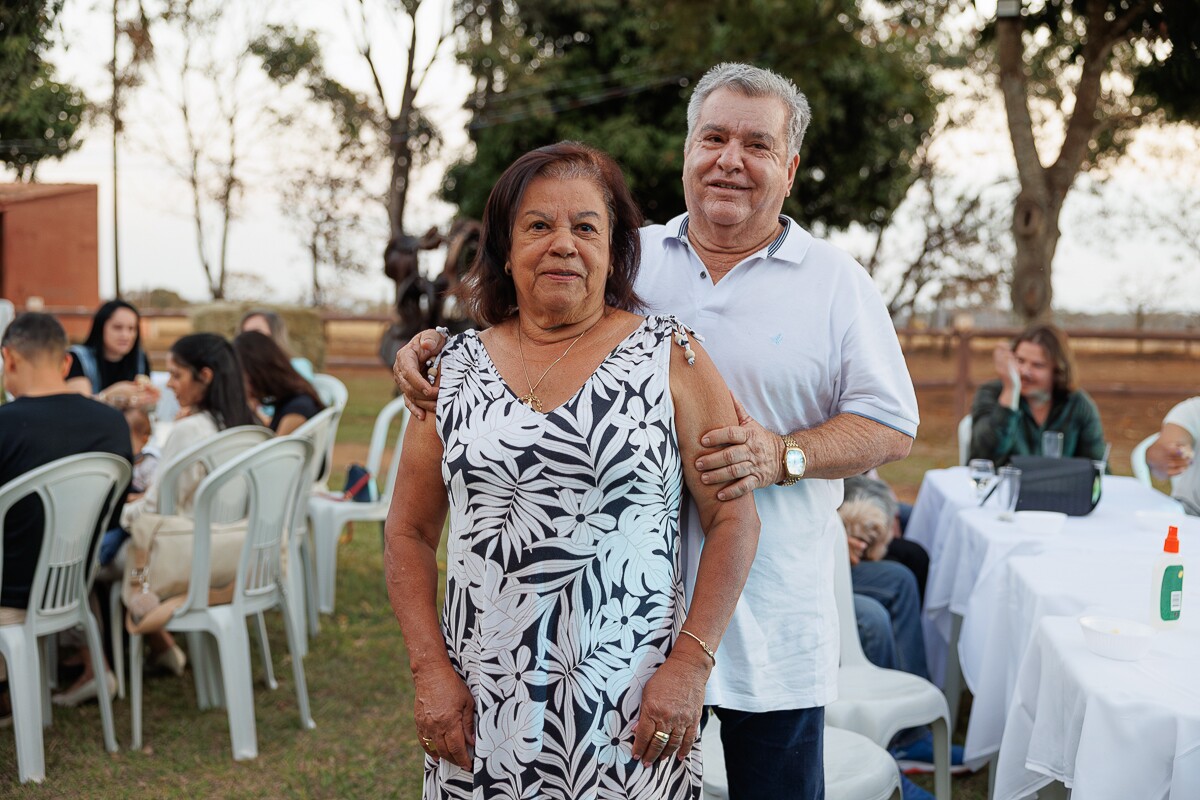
{"points": [[409, 372], [1179, 458], [751, 459]]}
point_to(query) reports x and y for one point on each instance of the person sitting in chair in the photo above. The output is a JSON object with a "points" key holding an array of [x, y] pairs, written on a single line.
{"points": [[1034, 393], [1173, 454], [47, 421]]}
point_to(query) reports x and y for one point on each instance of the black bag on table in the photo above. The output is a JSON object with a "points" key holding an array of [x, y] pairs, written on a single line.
{"points": [[1069, 485]]}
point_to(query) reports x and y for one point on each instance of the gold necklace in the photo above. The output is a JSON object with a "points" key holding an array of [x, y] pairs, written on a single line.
{"points": [[531, 399]]}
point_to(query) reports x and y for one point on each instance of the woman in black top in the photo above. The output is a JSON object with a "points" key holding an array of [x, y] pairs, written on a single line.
{"points": [[110, 365], [270, 378]]}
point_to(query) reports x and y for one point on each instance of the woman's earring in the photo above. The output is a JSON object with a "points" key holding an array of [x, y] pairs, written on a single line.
{"points": [[507, 268]]}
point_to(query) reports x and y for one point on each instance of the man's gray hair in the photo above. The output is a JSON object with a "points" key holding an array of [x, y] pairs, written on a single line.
{"points": [[753, 82]]}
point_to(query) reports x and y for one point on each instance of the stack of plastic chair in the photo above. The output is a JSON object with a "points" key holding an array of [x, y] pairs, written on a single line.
{"points": [[211, 453], [879, 703], [78, 494], [274, 474], [330, 515], [333, 394], [855, 767], [301, 571], [964, 440], [1137, 459]]}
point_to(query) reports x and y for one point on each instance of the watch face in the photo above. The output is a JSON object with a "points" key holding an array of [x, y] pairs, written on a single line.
{"points": [[794, 461]]}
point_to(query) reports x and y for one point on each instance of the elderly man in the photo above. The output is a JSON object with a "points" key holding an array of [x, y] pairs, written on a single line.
{"points": [[802, 337], [1173, 454]]}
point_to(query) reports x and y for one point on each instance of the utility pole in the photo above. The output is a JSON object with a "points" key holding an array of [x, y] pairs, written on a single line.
{"points": [[116, 117]]}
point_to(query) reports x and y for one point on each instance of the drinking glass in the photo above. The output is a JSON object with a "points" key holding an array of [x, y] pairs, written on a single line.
{"points": [[1008, 491], [982, 472], [1101, 465], [1052, 444]]}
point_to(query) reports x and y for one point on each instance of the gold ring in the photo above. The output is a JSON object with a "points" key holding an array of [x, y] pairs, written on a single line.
{"points": [[662, 736]]}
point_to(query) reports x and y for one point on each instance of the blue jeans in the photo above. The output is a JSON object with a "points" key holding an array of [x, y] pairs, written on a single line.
{"points": [[892, 587], [774, 754]]}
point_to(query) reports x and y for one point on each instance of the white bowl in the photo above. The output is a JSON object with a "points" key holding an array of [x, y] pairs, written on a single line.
{"points": [[1046, 523], [1158, 521], [1116, 638]]}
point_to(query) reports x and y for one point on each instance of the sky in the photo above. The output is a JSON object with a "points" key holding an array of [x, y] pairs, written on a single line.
{"points": [[158, 242]]}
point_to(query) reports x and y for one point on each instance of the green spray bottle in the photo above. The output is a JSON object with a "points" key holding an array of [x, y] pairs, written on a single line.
{"points": [[1168, 583]]}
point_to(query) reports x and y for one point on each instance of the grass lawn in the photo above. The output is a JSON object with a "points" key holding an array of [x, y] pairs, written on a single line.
{"points": [[364, 745]]}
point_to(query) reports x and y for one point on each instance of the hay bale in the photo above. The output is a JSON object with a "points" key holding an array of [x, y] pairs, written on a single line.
{"points": [[305, 332]]}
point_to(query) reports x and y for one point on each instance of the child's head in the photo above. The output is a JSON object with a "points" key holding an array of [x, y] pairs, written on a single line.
{"points": [[139, 428]]}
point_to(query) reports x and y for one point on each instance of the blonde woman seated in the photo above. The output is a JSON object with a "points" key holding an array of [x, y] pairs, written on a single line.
{"points": [[566, 663]]}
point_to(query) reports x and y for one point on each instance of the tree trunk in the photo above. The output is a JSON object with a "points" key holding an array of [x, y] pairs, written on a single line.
{"points": [[1035, 234]]}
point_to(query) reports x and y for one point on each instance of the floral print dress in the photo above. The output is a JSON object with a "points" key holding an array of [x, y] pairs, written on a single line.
{"points": [[564, 590]]}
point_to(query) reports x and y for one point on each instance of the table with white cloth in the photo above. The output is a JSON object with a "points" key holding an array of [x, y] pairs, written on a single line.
{"points": [[965, 542], [1104, 572], [1003, 581], [1104, 728]]}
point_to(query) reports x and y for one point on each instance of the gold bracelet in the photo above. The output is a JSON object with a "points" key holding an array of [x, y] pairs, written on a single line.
{"points": [[703, 644]]}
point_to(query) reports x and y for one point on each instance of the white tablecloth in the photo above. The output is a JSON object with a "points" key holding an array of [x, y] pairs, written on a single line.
{"points": [[965, 542], [1109, 573], [1107, 729]]}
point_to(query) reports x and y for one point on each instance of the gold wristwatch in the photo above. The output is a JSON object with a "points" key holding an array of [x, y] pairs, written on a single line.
{"points": [[793, 461]]}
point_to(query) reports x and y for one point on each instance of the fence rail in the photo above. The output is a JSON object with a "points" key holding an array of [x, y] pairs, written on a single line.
{"points": [[966, 342], [961, 344]]}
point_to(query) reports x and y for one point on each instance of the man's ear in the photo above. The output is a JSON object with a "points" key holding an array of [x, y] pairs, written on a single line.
{"points": [[793, 166], [66, 364]]}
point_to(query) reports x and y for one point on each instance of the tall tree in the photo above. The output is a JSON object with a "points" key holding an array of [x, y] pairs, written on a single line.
{"points": [[132, 29], [39, 117], [208, 79], [329, 192], [617, 74], [1095, 70]]}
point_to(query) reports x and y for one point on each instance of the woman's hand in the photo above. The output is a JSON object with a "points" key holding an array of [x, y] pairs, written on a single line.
{"points": [[408, 372], [128, 394], [672, 703], [445, 715]]}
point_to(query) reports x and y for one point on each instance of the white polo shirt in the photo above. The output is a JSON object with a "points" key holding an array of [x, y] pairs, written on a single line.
{"points": [[1185, 487], [800, 334]]}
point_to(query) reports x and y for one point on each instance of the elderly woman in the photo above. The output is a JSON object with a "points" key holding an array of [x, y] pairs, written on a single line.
{"points": [[567, 663]]}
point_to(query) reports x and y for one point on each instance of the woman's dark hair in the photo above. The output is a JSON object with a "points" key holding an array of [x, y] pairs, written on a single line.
{"points": [[268, 370], [1054, 341], [488, 292], [225, 396], [95, 338]]}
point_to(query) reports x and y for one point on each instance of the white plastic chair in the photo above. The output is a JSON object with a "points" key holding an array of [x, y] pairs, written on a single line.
{"points": [[1137, 459], [964, 440], [855, 767], [274, 474], [329, 516], [877, 702], [331, 390], [301, 578], [78, 494], [333, 394], [212, 453]]}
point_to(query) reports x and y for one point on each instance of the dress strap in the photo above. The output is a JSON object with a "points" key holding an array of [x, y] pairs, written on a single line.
{"points": [[680, 333]]}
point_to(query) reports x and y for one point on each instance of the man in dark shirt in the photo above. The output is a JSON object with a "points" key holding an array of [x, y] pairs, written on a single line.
{"points": [[1034, 393], [46, 422]]}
